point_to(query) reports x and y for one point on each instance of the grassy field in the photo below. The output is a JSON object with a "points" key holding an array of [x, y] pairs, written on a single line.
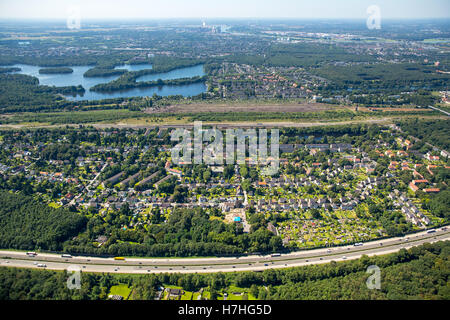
{"points": [[187, 295], [120, 290], [276, 113], [236, 293]]}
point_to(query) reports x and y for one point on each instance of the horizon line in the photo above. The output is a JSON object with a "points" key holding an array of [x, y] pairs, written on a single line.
{"points": [[223, 18]]}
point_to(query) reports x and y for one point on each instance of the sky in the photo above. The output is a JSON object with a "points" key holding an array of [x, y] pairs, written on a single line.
{"points": [[141, 9]]}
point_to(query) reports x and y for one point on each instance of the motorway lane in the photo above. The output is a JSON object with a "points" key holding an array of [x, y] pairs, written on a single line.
{"points": [[215, 260], [440, 110], [224, 264]]}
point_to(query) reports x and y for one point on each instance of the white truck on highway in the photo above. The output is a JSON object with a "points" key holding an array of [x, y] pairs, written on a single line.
{"points": [[276, 254]]}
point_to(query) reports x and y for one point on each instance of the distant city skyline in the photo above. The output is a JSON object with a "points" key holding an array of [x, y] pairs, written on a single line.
{"points": [[208, 9]]}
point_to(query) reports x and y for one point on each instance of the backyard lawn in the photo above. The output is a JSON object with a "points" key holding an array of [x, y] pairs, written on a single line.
{"points": [[120, 290]]}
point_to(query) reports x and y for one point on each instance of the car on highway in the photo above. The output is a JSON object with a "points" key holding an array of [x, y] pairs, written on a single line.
{"points": [[344, 257], [266, 265], [41, 265]]}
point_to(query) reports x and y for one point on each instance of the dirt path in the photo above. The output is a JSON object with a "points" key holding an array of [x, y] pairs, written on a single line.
{"points": [[220, 125]]}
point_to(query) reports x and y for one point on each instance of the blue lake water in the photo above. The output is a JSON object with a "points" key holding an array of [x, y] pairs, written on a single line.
{"points": [[76, 78]]}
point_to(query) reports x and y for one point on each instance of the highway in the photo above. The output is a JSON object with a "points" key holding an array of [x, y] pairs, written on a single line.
{"points": [[437, 109], [221, 264]]}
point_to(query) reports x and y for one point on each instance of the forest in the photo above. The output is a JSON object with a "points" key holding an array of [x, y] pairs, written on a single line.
{"points": [[9, 69], [305, 55], [128, 82], [435, 132], [187, 232], [55, 70], [440, 204], [381, 78], [20, 92], [74, 116], [66, 60], [30, 225]]}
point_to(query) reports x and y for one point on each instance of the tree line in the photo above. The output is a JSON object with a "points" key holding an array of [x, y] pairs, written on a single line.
{"points": [[419, 273], [30, 225]]}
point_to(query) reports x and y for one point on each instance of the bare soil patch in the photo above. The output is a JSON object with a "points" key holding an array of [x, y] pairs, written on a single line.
{"points": [[240, 107]]}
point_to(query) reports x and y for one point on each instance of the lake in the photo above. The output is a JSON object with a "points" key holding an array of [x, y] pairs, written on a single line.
{"points": [[76, 78]]}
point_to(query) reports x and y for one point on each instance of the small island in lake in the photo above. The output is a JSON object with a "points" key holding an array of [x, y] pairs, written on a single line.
{"points": [[56, 70]]}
